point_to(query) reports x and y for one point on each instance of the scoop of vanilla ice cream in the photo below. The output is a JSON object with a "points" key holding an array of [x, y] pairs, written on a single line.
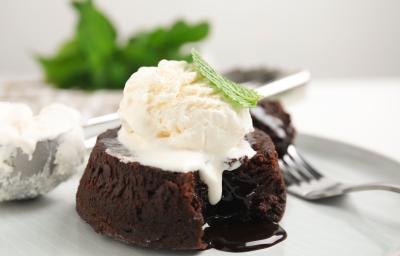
{"points": [[30, 139], [172, 105], [20, 128], [170, 112], [15, 119]]}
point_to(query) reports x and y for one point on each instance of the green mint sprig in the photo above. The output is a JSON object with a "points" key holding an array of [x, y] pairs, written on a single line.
{"points": [[93, 58], [237, 94]]}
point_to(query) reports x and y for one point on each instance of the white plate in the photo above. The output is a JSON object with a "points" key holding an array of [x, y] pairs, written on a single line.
{"points": [[364, 223]]}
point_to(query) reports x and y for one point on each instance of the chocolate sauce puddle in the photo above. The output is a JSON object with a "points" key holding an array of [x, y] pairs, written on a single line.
{"points": [[243, 237]]}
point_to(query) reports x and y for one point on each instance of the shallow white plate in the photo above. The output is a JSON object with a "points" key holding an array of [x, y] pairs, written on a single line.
{"points": [[363, 223]]}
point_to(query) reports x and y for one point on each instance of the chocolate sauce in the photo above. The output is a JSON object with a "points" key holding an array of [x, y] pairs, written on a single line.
{"points": [[272, 122], [243, 237], [270, 117], [234, 223]]}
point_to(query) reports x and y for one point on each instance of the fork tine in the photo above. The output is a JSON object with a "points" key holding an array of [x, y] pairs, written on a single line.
{"points": [[289, 178], [297, 158], [296, 169]]}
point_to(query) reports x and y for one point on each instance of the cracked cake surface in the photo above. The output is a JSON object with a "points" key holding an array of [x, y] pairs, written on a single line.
{"points": [[151, 207]]}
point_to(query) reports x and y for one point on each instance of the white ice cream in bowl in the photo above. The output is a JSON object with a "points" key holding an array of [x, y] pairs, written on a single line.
{"points": [[38, 152], [173, 119]]}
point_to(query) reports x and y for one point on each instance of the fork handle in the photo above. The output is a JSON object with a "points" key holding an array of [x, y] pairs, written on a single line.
{"points": [[373, 186]]}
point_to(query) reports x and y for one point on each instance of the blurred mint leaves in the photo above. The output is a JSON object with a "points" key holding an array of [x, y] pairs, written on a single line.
{"points": [[94, 59]]}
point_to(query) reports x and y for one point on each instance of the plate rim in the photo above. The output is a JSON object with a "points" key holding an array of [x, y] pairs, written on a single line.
{"points": [[352, 146]]}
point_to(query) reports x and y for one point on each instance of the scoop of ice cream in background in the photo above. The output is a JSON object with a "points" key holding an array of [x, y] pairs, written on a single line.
{"points": [[38, 152], [174, 120]]}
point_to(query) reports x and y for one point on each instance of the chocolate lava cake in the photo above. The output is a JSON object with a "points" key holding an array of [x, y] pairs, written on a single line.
{"points": [[151, 207], [270, 117]]}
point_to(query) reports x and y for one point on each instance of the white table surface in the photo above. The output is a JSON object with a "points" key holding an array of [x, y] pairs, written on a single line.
{"points": [[361, 112]]}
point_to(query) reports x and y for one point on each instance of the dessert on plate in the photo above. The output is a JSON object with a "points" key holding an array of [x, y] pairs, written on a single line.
{"points": [[186, 170], [270, 117]]}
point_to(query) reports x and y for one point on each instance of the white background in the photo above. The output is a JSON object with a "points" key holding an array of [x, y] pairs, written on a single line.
{"points": [[333, 38], [351, 47]]}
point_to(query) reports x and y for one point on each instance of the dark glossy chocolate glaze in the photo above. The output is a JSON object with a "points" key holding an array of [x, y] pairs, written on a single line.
{"points": [[274, 123], [249, 193], [270, 117], [231, 226], [242, 237], [238, 192]]}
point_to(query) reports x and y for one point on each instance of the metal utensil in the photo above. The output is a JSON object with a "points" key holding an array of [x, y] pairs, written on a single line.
{"points": [[283, 84], [304, 181], [34, 175]]}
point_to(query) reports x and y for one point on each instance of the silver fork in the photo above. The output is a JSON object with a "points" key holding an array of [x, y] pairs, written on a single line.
{"points": [[304, 181]]}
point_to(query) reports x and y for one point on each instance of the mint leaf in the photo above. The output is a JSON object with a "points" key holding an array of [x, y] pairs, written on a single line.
{"points": [[182, 32], [67, 68], [235, 93], [148, 48], [93, 59], [96, 37]]}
